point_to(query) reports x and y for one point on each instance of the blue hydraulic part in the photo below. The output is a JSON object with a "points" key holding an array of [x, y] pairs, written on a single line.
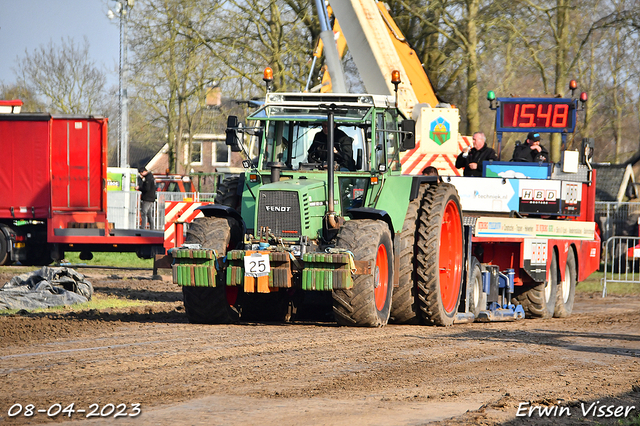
{"points": [[506, 280], [263, 246], [486, 281], [503, 285]]}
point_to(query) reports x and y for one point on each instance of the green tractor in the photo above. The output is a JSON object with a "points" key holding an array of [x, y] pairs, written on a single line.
{"points": [[325, 209]]}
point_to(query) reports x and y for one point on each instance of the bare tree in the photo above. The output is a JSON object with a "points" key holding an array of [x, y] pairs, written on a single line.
{"points": [[30, 99], [170, 71], [455, 35], [64, 76]]}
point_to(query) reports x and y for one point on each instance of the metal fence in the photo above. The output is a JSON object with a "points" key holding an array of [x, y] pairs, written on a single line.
{"points": [[123, 207], [621, 261], [617, 219]]}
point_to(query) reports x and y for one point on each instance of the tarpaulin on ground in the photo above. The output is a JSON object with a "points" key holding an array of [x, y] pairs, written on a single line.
{"points": [[45, 288]]}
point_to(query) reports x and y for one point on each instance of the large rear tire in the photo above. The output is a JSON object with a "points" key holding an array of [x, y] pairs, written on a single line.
{"points": [[404, 306], [212, 305], [539, 301], [368, 302], [227, 194], [567, 288], [439, 255]]}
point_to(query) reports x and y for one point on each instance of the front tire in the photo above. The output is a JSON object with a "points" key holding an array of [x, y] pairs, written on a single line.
{"points": [[368, 302], [567, 288], [212, 305], [439, 254]]}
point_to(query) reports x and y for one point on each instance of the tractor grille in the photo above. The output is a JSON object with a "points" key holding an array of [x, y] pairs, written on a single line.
{"points": [[280, 211]]}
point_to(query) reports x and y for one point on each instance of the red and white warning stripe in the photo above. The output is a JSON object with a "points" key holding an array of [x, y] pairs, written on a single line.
{"points": [[178, 212], [415, 160]]}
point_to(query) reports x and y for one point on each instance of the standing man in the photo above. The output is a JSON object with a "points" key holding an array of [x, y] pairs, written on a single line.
{"points": [[531, 151], [471, 158], [146, 185]]}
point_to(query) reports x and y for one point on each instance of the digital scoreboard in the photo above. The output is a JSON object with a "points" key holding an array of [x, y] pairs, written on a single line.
{"points": [[544, 115]]}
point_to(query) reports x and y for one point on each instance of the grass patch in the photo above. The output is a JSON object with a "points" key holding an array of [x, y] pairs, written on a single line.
{"points": [[125, 260], [97, 302], [593, 284]]}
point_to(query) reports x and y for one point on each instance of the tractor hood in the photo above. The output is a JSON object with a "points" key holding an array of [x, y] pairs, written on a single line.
{"points": [[292, 207], [294, 185]]}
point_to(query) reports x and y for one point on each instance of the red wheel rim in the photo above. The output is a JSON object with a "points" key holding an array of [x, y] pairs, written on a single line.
{"points": [[450, 256], [381, 277]]}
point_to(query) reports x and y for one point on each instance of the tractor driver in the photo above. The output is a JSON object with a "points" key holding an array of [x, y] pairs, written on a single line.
{"points": [[342, 148]]}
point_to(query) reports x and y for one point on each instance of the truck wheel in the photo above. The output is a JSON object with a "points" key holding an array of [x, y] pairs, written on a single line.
{"points": [[539, 301], [477, 298], [567, 288], [4, 252], [368, 302], [439, 253], [404, 309], [227, 194], [212, 305]]}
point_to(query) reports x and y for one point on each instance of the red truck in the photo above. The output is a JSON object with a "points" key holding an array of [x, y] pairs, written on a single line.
{"points": [[53, 195]]}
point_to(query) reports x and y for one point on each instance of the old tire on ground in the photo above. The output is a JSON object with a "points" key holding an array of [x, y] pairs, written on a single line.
{"points": [[539, 301], [4, 249], [227, 193], [477, 298], [212, 305], [368, 302], [567, 288], [439, 255], [404, 306]]}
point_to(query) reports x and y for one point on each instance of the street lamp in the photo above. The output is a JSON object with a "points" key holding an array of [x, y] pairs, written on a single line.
{"points": [[122, 8]]}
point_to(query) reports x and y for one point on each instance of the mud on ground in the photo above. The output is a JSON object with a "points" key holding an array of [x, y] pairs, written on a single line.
{"points": [[315, 372]]}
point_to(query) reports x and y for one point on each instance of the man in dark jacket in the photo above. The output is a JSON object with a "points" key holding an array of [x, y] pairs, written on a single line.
{"points": [[471, 158], [146, 185], [342, 148], [531, 151]]}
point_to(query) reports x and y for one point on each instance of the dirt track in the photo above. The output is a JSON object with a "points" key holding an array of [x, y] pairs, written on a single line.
{"points": [[314, 372]]}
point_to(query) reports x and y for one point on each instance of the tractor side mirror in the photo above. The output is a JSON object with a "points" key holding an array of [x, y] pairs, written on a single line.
{"points": [[232, 133], [408, 128]]}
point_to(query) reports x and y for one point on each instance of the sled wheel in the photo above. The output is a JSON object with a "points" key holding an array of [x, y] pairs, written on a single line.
{"points": [[567, 288], [538, 301]]}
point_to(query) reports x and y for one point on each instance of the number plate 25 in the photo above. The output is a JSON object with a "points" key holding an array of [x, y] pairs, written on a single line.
{"points": [[256, 265]]}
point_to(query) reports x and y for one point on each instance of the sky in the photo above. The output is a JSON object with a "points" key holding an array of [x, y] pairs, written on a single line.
{"points": [[27, 24]]}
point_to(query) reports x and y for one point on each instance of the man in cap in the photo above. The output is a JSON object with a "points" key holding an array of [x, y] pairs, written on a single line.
{"points": [[531, 151]]}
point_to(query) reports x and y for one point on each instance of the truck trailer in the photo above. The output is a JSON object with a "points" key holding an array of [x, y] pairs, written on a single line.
{"points": [[53, 196]]}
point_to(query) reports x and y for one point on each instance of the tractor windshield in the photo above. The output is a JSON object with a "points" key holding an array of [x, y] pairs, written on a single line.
{"points": [[290, 142]]}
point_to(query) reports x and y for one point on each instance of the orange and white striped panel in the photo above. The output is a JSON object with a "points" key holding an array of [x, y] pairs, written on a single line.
{"points": [[415, 160], [178, 212]]}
